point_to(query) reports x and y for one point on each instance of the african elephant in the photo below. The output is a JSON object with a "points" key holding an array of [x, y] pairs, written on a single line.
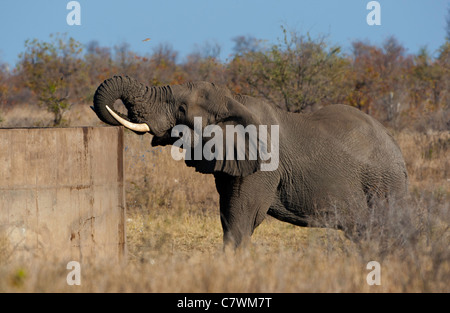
{"points": [[332, 164]]}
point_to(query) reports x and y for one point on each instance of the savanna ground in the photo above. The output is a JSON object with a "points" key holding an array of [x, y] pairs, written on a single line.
{"points": [[174, 236]]}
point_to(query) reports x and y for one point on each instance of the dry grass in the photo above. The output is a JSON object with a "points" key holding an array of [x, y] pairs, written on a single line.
{"points": [[174, 238], [428, 160]]}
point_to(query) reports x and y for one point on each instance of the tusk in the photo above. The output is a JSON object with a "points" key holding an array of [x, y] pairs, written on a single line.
{"points": [[142, 127]]}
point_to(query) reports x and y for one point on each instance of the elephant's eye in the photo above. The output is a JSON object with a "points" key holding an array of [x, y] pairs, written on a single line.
{"points": [[182, 109]]}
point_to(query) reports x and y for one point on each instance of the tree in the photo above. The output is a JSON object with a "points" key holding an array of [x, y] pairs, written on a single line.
{"points": [[392, 89], [208, 50], [204, 64], [443, 62], [4, 88], [52, 70], [99, 62], [247, 44], [377, 78], [296, 73], [161, 66], [423, 76], [363, 75]]}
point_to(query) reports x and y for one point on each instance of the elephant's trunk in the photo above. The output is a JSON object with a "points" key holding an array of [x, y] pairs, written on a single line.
{"points": [[133, 94]]}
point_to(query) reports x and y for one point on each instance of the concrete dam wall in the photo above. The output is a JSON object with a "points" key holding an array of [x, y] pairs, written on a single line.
{"points": [[62, 192]]}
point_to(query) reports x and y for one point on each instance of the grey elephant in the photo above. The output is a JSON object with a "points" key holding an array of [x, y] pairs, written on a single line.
{"points": [[332, 165]]}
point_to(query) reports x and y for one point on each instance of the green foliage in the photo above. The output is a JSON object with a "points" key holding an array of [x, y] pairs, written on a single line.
{"points": [[52, 70], [429, 75], [296, 73]]}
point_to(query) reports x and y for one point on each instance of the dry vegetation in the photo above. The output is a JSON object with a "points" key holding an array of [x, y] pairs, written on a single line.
{"points": [[174, 234], [175, 242]]}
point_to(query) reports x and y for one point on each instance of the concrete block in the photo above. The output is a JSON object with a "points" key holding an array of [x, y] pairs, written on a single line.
{"points": [[62, 192]]}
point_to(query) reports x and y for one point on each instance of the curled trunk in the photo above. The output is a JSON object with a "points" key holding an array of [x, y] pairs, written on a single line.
{"points": [[132, 93]]}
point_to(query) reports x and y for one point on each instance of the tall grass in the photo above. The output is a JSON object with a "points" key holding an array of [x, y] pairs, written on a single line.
{"points": [[174, 237]]}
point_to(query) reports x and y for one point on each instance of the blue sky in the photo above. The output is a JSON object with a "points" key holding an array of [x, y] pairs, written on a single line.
{"points": [[186, 24]]}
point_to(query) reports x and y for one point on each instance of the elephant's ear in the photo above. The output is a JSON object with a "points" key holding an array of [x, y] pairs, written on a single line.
{"points": [[239, 130]]}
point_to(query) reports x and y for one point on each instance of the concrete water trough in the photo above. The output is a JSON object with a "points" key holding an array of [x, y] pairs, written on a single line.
{"points": [[62, 193]]}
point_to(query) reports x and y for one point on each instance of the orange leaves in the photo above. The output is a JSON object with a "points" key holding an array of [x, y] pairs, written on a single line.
{"points": [[294, 73]]}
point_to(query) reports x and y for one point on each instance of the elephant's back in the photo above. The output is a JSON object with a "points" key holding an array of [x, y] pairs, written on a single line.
{"points": [[363, 143], [350, 126], [343, 117]]}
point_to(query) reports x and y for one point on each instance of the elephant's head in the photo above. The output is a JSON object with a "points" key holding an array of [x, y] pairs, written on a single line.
{"points": [[159, 109]]}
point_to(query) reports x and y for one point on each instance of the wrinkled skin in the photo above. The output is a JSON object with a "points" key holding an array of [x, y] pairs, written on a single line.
{"points": [[333, 164]]}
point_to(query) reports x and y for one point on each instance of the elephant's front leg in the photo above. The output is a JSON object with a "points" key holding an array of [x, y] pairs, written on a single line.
{"points": [[244, 202]]}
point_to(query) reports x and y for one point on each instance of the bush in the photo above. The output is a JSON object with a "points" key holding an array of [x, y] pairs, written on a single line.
{"points": [[294, 74], [52, 71]]}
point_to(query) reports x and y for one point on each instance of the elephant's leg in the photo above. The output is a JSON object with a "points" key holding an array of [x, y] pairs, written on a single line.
{"points": [[244, 202]]}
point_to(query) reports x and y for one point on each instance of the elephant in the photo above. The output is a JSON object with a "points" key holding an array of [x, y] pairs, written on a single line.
{"points": [[333, 164]]}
